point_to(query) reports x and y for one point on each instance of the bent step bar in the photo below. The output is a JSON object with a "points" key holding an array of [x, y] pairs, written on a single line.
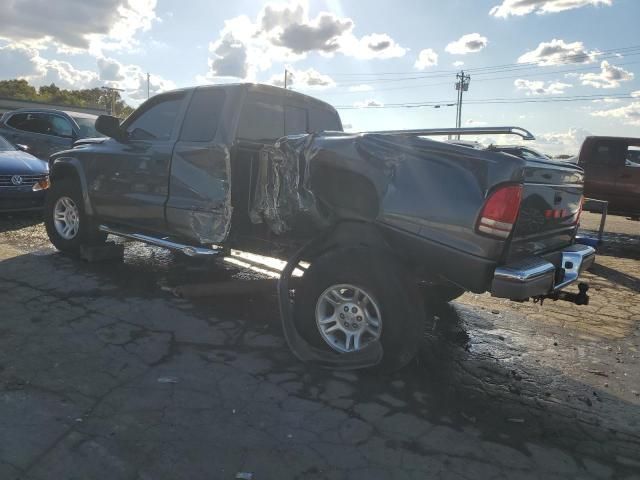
{"points": [[189, 250]]}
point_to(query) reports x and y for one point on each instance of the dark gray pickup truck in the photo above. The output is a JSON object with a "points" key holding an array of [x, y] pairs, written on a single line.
{"points": [[387, 222]]}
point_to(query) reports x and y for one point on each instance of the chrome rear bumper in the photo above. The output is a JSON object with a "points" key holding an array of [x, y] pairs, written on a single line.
{"points": [[536, 276]]}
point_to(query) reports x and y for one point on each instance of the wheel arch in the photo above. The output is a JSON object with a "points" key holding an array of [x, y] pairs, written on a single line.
{"points": [[63, 168]]}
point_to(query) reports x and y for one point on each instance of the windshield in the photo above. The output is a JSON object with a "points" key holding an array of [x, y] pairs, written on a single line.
{"points": [[5, 145], [87, 127]]}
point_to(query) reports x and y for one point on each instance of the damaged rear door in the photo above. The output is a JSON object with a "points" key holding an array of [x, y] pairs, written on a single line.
{"points": [[199, 203]]}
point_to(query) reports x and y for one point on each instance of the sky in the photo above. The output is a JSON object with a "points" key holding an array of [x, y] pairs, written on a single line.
{"points": [[563, 69]]}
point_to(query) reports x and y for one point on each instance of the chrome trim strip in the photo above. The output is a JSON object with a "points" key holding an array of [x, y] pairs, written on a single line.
{"points": [[188, 250]]}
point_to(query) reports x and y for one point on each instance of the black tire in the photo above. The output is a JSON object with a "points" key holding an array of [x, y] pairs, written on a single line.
{"points": [[402, 312], [439, 294], [87, 233]]}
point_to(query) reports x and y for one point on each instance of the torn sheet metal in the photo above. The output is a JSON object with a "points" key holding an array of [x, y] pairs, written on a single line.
{"points": [[290, 176], [319, 177]]}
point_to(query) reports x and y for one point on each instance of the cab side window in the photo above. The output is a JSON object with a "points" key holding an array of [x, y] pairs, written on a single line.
{"points": [[201, 122], [295, 120], [262, 118], [158, 120]]}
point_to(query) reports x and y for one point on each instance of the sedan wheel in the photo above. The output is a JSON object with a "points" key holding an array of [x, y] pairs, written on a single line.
{"points": [[66, 218]]}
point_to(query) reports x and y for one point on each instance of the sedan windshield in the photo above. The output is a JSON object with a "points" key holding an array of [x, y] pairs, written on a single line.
{"points": [[5, 145], [87, 127]]}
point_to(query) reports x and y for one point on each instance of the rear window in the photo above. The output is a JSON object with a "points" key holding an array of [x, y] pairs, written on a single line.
{"points": [[321, 120], [203, 116], [261, 118], [295, 120]]}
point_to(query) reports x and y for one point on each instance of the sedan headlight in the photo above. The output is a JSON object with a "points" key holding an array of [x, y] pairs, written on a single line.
{"points": [[41, 184]]}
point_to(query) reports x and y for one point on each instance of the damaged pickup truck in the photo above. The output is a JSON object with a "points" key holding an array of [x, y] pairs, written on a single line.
{"points": [[388, 223]]}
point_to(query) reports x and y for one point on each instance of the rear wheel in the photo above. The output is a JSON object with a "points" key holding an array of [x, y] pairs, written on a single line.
{"points": [[350, 298], [66, 222]]}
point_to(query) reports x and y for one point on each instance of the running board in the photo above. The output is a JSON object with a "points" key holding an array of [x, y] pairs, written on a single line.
{"points": [[188, 250]]}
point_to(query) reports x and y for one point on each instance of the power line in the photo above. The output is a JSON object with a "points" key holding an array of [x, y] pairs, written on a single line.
{"points": [[514, 68], [536, 74], [601, 54], [486, 101]]}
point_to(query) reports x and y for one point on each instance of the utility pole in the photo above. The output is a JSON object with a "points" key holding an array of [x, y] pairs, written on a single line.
{"points": [[148, 83], [462, 85], [112, 91], [286, 75]]}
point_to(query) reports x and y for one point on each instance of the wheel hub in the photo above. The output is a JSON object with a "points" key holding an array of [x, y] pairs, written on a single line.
{"points": [[348, 318], [66, 218]]}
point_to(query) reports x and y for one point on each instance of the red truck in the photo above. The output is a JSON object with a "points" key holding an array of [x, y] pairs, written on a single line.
{"points": [[612, 172]]}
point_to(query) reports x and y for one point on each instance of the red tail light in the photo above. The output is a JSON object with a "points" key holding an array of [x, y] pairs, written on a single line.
{"points": [[500, 211]]}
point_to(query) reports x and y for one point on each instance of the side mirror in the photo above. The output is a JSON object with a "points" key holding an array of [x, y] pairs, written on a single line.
{"points": [[22, 147], [109, 126]]}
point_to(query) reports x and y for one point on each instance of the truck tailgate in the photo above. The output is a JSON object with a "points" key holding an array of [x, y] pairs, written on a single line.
{"points": [[551, 201]]}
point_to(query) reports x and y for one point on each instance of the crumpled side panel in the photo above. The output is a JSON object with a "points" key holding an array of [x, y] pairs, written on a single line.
{"points": [[199, 205], [289, 170], [281, 192]]}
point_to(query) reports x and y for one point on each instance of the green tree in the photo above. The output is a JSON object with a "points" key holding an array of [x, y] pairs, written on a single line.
{"points": [[89, 97]]}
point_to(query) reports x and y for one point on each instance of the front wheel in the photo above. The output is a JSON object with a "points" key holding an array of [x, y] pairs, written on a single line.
{"points": [[66, 222], [353, 297]]}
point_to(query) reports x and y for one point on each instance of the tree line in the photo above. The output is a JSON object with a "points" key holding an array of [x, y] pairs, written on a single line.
{"points": [[89, 97]]}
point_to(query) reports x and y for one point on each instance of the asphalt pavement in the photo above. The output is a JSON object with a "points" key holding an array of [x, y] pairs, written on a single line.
{"points": [[106, 374]]}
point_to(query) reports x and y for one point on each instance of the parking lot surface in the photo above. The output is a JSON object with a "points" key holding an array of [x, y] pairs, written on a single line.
{"points": [[104, 373]]}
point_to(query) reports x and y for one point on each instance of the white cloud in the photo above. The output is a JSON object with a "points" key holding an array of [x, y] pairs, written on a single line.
{"points": [[525, 7], [636, 94], [426, 58], [629, 114], [539, 87], [286, 33], [557, 52], [458, 63], [475, 123], [606, 100], [20, 61], [75, 26], [558, 143], [610, 76], [26, 62], [368, 103], [132, 79], [469, 43], [364, 88], [110, 70], [376, 45], [303, 79]]}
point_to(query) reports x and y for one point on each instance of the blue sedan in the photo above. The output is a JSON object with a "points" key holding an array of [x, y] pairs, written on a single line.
{"points": [[23, 178]]}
